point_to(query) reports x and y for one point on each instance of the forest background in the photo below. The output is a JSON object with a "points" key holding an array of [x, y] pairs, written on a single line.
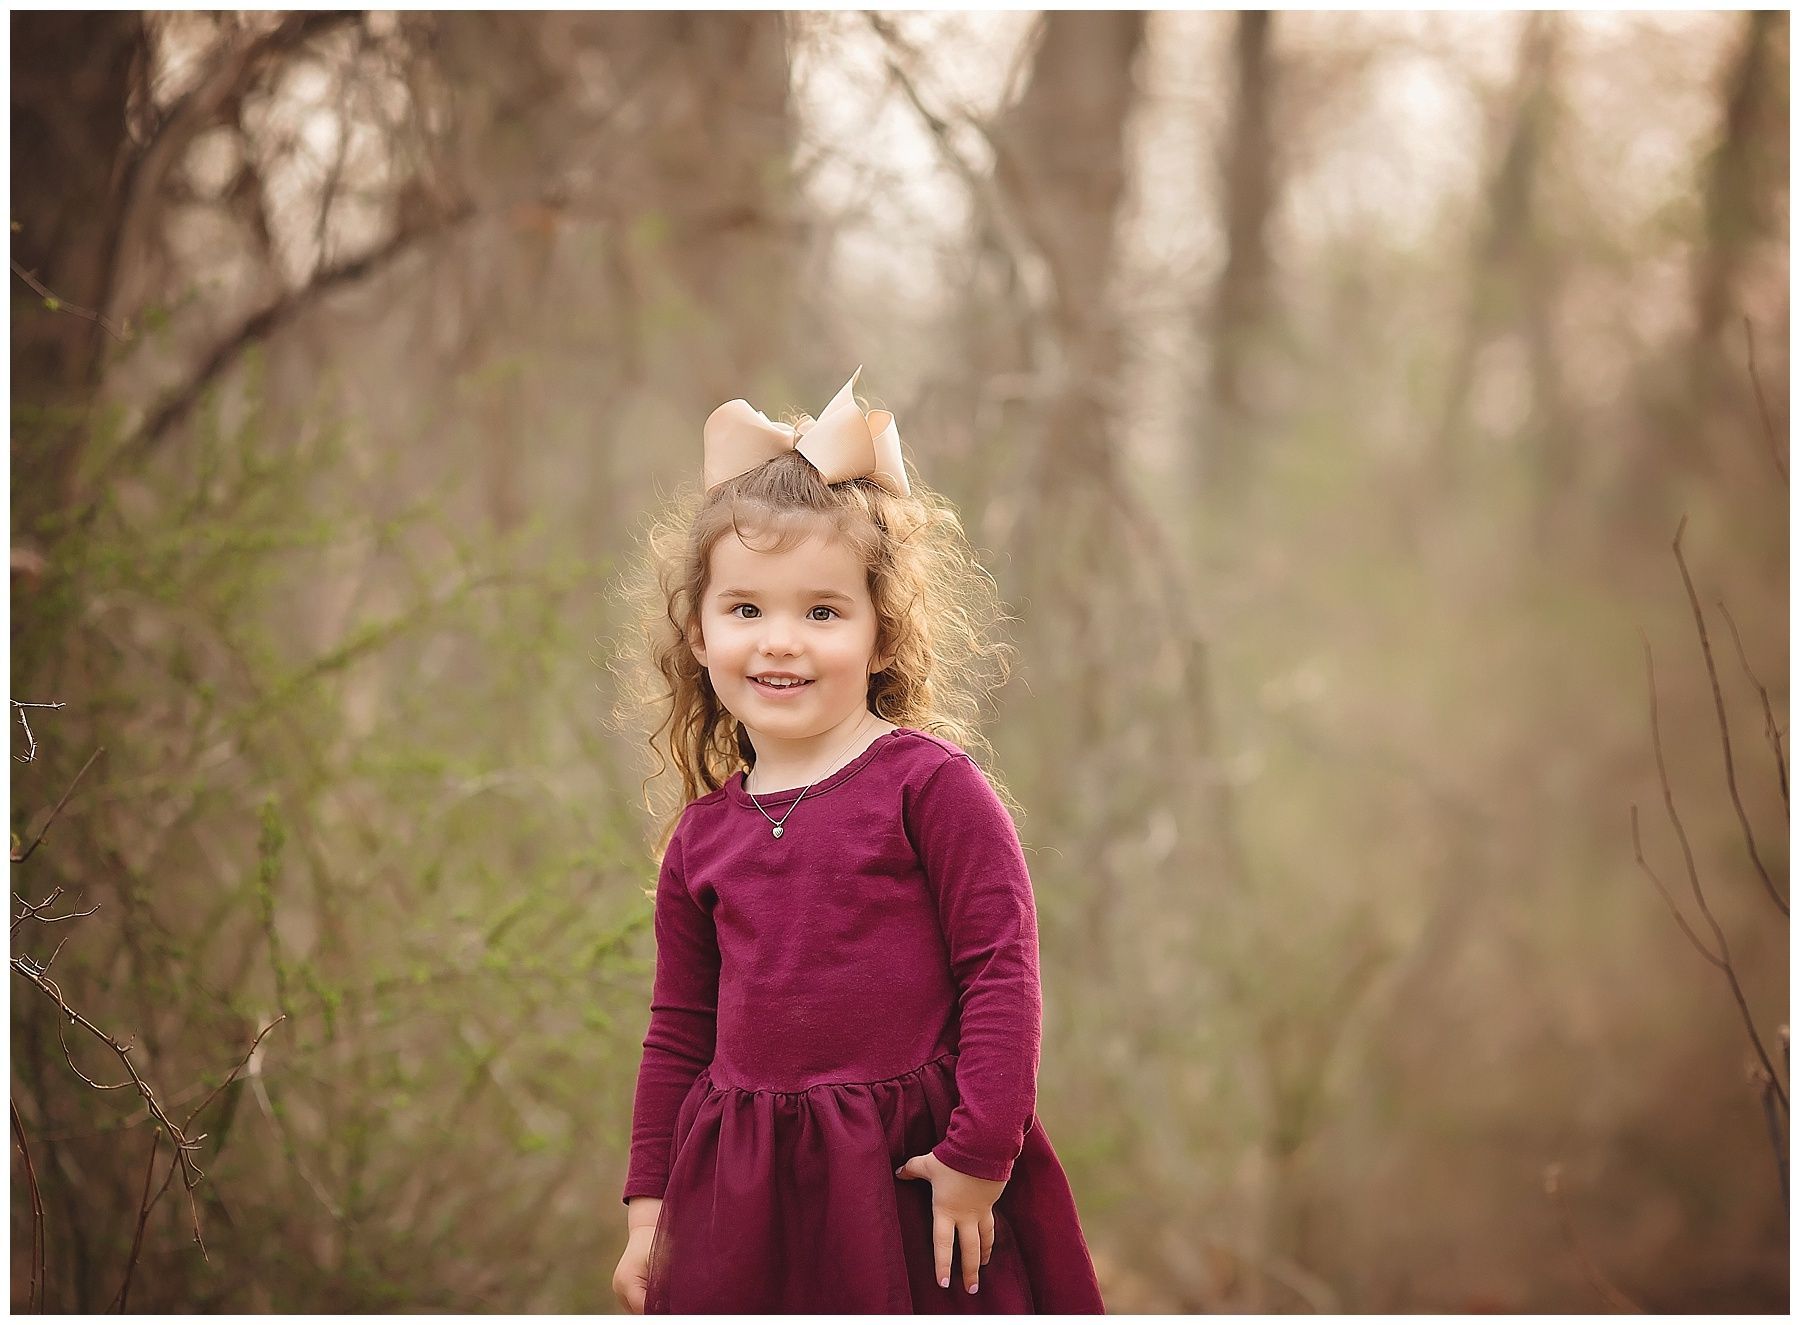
{"points": [[1325, 391]]}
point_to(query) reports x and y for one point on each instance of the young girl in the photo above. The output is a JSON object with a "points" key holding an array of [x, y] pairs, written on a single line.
{"points": [[834, 1110]]}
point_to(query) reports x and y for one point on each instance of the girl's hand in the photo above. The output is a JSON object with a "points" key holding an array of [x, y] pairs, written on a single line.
{"points": [[632, 1278], [962, 1206]]}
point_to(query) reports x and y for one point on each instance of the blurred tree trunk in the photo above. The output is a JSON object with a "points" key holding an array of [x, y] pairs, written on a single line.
{"points": [[1515, 276], [72, 77], [704, 193], [1697, 410], [1751, 157], [676, 181], [1110, 642], [1239, 311], [1737, 205], [1060, 171]]}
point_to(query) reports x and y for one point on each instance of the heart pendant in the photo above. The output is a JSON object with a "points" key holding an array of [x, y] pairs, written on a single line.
{"points": [[775, 831]]}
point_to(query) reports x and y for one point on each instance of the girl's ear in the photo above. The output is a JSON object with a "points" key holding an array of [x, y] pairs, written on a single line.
{"points": [[697, 644]]}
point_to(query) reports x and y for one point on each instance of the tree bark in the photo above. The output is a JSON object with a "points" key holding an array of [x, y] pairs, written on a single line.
{"points": [[72, 76], [1513, 285], [1239, 311]]}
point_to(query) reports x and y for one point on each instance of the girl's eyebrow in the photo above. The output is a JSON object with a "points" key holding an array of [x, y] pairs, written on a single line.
{"points": [[809, 593]]}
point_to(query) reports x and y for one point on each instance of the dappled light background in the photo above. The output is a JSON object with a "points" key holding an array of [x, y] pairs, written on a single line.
{"points": [[1326, 393]]}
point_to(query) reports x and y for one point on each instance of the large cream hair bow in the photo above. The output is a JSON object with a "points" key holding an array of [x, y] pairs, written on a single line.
{"points": [[842, 443]]}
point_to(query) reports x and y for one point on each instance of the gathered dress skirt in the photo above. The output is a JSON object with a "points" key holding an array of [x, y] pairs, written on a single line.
{"points": [[787, 1201]]}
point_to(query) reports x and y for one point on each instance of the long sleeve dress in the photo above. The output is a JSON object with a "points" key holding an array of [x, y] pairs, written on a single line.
{"points": [[828, 1004]]}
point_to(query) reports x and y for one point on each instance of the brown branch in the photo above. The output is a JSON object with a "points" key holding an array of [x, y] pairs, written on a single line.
{"points": [[1602, 1285], [137, 1237], [22, 705], [178, 403], [150, 1204], [191, 1173], [32, 908], [70, 1057], [20, 857], [1772, 1120], [35, 1300], [1712, 676], [35, 911], [242, 1063], [1771, 728], [198, 110], [1687, 852], [1674, 910], [57, 304], [1762, 405]]}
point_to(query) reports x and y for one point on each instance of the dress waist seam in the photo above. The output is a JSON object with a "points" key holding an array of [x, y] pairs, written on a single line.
{"points": [[822, 1085]]}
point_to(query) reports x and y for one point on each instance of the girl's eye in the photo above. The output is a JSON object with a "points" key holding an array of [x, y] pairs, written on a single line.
{"points": [[752, 606]]}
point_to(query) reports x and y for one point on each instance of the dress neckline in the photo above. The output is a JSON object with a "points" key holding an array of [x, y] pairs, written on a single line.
{"points": [[734, 785]]}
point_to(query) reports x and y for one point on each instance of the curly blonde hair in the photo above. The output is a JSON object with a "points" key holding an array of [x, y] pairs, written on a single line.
{"points": [[937, 610]]}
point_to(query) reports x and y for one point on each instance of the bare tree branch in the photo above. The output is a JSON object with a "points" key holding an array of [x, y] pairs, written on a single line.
{"points": [[34, 1300], [1772, 1120], [22, 705], [196, 111], [57, 304], [1762, 405], [178, 403], [137, 1237], [20, 857], [1687, 852], [1771, 729], [1674, 910], [1712, 676], [190, 1172]]}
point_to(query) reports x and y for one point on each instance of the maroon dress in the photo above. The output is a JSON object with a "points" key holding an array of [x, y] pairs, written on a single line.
{"points": [[828, 1004]]}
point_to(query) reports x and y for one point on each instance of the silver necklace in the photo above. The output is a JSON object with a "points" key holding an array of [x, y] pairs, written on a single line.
{"points": [[776, 830]]}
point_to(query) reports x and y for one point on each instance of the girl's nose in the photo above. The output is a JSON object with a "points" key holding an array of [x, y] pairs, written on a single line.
{"points": [[778, 638]]}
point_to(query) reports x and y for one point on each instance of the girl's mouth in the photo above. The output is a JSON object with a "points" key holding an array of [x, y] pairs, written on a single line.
{"points": [[788, 689]]}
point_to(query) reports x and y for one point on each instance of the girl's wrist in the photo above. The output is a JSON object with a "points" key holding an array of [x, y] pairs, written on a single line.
{"points": [[642, 1212]]}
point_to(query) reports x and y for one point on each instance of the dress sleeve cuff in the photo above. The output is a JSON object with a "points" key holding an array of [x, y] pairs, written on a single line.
{"points": [[985, 1169], [645, 1187]]}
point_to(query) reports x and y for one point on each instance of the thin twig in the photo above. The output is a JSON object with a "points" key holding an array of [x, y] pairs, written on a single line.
{"points": [[1777, 1133], [1771, 728], [71, 1057], [30, 740], [137, 1238], [31, 908], [34, 1301], [35, 911], [1674, 910], [191, 1173], [1762, 405], [1687, 852], [1602, 1285], [1712, 676], [144, 1213], [168, 1177], [242, 1063], [57, 304], [21, 857]]}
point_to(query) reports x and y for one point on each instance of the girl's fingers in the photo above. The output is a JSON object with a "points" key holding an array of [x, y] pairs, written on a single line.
{"points": [[971, 1254], [943, 1238], [987, 1237]]}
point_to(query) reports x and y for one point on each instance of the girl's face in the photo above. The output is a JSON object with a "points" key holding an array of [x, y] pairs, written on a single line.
{"points": [[801, 614]]}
